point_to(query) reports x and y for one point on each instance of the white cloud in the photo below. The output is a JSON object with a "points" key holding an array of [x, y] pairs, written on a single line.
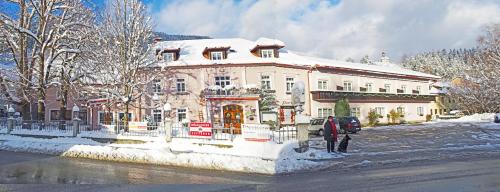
{"points": [[348, 29]]}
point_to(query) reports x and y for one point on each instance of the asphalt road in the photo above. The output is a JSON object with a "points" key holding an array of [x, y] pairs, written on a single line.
{"points": [[429, 165]]}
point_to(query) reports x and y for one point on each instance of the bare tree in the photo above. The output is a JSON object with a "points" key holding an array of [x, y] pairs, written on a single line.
{"points": [[478, 86], [125, 33], [16, 36], [38, 38]]}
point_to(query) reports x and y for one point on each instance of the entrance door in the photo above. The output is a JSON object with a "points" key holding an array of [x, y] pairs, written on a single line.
{"points": [[233, 117]]}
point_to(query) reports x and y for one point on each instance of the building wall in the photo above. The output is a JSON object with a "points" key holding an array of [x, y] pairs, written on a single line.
{"points": [[198, 78]]}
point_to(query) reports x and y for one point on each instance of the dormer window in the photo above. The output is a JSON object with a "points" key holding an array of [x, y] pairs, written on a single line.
{"points": [[216, 55], [168, 57], [267, 53], [267, 48]]}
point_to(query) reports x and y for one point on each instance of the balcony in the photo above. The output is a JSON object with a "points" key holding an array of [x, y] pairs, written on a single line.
{"points": [[231, 93], [362, 97]]}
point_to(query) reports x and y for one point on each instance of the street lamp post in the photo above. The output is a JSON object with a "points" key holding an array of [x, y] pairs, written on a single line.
{"points": [[10, 120], [76, 120]]}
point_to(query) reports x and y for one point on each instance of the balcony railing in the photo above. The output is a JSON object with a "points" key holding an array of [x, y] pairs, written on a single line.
{"points": [[332, 96], [233, 92]]}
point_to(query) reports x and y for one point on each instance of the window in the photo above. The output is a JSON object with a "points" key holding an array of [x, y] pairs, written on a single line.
{"points": [[419, 88], [168, 57], [401, 110], [265, 82], [369, 87], [380, 111], [355, 112], [325, 112], [121, 117], [387, 88], [105, 118], [222, 81], [180, 85], [181, 114], [267, 53], [420, 111], [157, 115], [217, 55], [322, 84], [403, 88], [156, 86], [54, 115], [347, 86], [289, 84]]}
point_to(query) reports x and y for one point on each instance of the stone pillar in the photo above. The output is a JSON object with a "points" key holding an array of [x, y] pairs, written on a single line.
{"points": [[76, 126], [167, 124], [302, 125], [10, 125]]}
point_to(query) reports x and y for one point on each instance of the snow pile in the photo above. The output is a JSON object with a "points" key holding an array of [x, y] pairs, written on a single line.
{"points": [[473, 118], [239, 155]]}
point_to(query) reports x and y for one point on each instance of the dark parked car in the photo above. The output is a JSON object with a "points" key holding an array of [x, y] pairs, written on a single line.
{"points": [[349, 124], [497, 118]]}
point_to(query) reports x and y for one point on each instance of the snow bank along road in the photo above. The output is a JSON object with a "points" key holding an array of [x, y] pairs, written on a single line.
{"points": [[371, 147], [464, 173]]}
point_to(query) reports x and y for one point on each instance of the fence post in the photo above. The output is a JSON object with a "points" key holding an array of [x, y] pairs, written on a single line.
{"points": [[76, 126], [10, 124]]}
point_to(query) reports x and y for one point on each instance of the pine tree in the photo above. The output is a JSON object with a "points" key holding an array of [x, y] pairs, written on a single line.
{"points": [[342, 108]]}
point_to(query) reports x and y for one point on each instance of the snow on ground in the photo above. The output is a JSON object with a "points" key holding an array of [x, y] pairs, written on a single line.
{"points": [[472, 118], [239, 155]]}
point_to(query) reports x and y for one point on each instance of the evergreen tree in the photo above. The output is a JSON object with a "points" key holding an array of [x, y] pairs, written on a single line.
{"points": [[365, 59], [342, 108]]}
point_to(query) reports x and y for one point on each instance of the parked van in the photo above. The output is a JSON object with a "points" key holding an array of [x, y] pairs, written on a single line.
{"points": [[317, 125]]}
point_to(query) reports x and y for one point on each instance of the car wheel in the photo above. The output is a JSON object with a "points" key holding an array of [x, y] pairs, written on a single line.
{"points": [[320, 132]]}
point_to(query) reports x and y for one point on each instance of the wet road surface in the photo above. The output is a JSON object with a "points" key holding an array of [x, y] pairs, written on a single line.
{"points": [[435, 160]]}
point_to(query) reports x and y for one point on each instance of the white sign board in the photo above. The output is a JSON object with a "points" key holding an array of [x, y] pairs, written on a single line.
{"points": [[256, 132], [138, 126], [269, 116], [200, 129]]}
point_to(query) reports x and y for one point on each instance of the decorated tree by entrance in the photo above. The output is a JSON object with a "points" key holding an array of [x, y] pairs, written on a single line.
{"points": [[267, 101]]}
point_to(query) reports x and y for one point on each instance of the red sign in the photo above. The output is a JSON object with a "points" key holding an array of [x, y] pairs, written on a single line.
{"points": [[200, 129]]}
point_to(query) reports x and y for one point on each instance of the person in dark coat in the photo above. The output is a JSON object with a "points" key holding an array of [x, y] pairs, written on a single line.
{"points": [[330, 134]]}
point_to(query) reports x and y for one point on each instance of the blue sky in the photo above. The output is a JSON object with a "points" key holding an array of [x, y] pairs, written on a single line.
{"points": [[335, 29], [332, 28]]}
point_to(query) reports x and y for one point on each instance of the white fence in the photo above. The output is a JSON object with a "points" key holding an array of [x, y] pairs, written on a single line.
{"points": [[250, 132]]}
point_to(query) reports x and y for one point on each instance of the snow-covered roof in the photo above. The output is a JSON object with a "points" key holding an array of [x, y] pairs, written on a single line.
{"points": [[269, 42], [441, 84], [191, 53]]}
